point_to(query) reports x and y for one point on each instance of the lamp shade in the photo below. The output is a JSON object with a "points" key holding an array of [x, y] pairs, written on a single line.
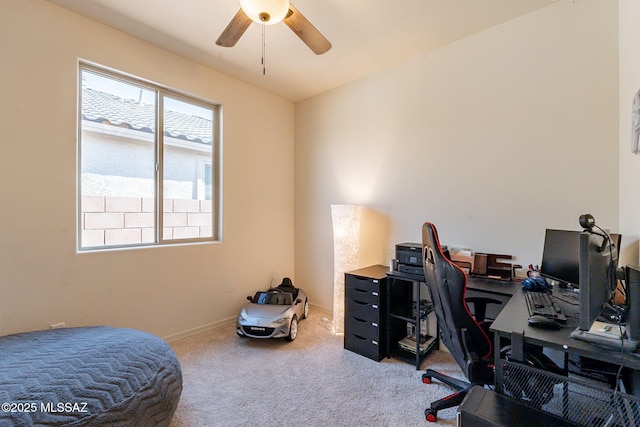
{"points": [[266, 12], [346, 221]]}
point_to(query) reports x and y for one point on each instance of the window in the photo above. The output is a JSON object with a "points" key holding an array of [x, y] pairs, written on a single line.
{"points": [[148, 164]]}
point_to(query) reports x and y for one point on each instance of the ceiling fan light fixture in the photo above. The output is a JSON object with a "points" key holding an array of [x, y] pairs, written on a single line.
{"points": [[266, 12]]}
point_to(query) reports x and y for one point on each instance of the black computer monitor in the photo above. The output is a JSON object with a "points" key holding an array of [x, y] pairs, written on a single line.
{"points": [[598, 260], [561, 256]]}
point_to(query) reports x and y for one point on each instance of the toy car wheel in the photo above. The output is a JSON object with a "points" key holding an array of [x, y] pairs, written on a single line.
{"points": [[293, 329], [240, 335], [306, 309]]}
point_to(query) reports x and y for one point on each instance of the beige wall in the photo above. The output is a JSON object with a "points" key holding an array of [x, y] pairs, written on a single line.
{"points": [[167, 290], [493, 138], [629, 15]]}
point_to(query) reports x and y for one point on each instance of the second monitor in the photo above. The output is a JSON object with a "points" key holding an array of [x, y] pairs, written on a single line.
{"points": [[598, 278], [561, 256], [597, 275]]}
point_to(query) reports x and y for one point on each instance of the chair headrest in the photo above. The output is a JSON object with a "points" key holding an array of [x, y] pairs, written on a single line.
{"points": [[286, 282]]}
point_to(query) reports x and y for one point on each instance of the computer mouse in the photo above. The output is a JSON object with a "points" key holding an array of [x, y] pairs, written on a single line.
{"points": [[542, 322]]}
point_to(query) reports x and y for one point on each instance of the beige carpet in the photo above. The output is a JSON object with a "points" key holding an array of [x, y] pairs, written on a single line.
{"points": [[312, 381]]}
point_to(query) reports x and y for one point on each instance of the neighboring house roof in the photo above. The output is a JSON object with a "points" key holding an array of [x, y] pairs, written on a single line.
{"points": [[107, 108]]}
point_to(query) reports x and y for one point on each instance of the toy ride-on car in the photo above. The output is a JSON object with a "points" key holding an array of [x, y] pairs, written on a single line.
{"points": [[273, 313]]}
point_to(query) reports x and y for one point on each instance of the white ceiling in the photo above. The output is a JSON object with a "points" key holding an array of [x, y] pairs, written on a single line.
{"points": [[367, 35]]}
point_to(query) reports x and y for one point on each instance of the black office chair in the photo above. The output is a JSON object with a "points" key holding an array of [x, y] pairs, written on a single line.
{"points": [[467, 337]]}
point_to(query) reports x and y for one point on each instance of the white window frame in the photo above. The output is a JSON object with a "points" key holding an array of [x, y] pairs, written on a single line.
{"points": [[215, 161]]}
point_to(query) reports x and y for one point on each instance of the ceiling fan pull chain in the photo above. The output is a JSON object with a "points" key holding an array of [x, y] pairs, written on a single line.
{"points": [[264, 69]]}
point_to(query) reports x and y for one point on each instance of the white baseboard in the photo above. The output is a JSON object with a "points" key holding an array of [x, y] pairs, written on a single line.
{"points": [[321, 309], [188, 333], [229, 320]]}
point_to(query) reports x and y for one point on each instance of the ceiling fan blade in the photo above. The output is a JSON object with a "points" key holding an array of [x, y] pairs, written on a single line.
{"points": [[234, 30], [306, 31]]}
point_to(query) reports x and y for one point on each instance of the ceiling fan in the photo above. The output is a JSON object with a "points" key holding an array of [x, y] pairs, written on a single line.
{"points": [[269, 12]]}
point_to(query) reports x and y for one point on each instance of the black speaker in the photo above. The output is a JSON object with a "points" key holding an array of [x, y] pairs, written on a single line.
{"points": [[632, 280]]}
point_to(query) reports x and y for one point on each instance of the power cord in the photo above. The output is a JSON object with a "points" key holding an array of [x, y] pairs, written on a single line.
{"points": [[327, 324]]}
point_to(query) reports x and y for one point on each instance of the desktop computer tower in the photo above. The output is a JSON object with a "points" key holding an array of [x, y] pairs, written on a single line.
{"points": [[486, 408], [632, 280]]}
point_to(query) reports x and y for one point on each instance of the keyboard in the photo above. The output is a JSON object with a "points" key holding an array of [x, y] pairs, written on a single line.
{"points": [[541, 303]]}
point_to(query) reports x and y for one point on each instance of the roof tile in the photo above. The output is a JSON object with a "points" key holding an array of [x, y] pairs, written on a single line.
{"points": [[107, 108]]}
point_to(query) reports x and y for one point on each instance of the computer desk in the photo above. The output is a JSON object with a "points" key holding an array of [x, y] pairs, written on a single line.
{"points": [[512, 324]]}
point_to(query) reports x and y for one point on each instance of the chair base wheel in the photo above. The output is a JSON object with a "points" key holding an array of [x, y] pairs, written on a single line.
{"points": [[426, 379], [430, 416]]}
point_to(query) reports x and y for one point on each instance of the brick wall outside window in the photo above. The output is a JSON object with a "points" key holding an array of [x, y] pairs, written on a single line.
{"points": [[130, 220]]}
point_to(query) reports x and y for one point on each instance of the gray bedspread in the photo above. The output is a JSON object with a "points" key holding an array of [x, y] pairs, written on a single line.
{"points": [[91, 376]]}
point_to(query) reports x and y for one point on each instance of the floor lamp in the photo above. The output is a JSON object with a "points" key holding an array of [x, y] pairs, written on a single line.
{"points": [[346, 253]]}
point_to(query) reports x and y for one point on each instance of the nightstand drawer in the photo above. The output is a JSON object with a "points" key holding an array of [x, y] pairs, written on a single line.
{"points": [[366, 347], [363, 328], [362, 310], [362, 295], [364, 284]]}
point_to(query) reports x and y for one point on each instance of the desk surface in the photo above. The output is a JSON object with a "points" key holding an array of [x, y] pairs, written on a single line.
{"points": [[493, 286], [514, 318]]}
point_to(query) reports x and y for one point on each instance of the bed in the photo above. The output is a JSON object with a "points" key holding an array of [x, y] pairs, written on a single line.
{"points": [[90, 376]]}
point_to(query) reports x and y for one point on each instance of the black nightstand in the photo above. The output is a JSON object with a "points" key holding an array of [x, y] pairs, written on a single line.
{"points": [[364, 311]]}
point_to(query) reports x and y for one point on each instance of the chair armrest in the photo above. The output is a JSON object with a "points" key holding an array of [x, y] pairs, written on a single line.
{"points": [[480, 306], [471, 356]]}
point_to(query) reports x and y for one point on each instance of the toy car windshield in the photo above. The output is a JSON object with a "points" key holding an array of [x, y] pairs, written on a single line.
{"points": [[275, 298]]}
